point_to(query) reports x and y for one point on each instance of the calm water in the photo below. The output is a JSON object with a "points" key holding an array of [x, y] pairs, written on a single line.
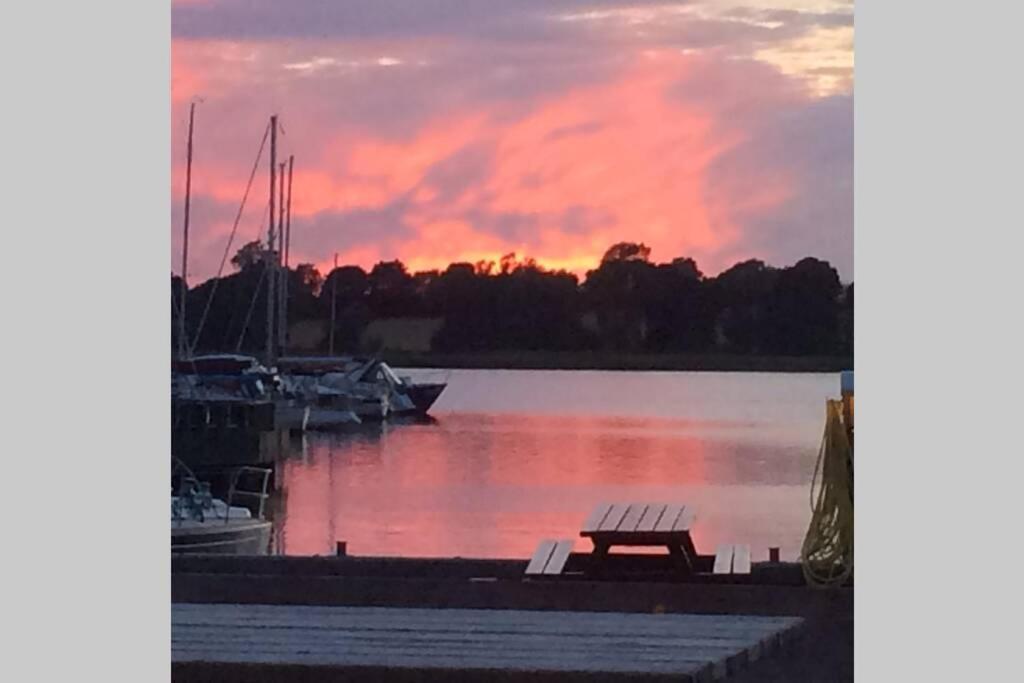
{"points": [[516, 456]]}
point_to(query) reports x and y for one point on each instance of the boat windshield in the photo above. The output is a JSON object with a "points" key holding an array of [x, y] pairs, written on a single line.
{"points": [[390, 375]]}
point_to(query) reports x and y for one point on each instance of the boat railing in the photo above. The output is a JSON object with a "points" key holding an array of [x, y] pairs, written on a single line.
{"points": [[261, 495], [426, 377], [193, 496], [195, 499]]}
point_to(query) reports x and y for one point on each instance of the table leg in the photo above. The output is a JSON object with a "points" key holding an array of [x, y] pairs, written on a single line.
{"points": [[598, 556], [680, 557], [691, 550]]}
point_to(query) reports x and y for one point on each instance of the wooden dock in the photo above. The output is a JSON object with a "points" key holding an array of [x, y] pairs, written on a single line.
{"points": [[293, 642]]}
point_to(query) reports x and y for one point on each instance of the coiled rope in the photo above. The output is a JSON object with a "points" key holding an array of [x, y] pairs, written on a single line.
{"points": [[827, 553]]}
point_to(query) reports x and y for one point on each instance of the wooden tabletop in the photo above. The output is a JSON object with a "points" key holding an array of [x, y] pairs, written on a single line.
{"points": [[650, 520]]}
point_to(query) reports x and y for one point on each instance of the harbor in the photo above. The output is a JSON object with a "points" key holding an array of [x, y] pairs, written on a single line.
{"points": [[415, 523], [430, 546]]}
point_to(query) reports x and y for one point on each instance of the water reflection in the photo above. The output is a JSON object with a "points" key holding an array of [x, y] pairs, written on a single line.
{"points": [[497, 471]]}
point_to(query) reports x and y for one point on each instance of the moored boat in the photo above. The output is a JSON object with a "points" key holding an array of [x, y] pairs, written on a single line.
{"points": [[377, 391], [424, 394], [201, 523], [227, 379]]}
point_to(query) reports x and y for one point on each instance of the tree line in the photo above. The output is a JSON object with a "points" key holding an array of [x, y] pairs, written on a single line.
{"points": [[627, 303]]}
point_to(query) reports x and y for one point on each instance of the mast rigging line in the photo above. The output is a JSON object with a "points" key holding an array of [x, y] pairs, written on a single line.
{"points": [[259, 284], [252, 306], [231, 238]]}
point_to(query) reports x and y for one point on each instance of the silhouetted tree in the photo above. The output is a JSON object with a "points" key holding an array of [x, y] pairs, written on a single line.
{"points": [[628, 304], [845, 346], [521, 307], [348, 283], [424, 283], [237, 310], [304, 285], [391, 290], [627, 251], [687, 269], [175, 310], [350, 287], [617, 293], [310, 278], [466, 300], [251, 254], [679, 314], [741, 297], [805, 309]]}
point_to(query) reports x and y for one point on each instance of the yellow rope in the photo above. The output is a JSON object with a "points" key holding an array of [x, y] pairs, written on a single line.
{"points": [[827, 553]]}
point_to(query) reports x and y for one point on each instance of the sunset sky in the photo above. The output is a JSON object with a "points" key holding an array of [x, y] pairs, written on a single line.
{"points": [[446, 130]]}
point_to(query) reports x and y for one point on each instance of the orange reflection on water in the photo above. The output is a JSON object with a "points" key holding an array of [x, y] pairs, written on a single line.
{"points": [[493, 486]]}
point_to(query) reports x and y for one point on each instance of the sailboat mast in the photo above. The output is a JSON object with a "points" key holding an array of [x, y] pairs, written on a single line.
{"points": [[287, 245], [334, 299], [288, 213], [281, 322], [271, 263], [182, 334]]}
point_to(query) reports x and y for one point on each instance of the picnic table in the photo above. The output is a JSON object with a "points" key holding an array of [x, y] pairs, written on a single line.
{"points": [[653, 525], [643, 525]]}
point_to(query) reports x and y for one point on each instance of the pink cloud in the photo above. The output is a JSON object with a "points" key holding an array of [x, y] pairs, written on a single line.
{"points": [[652, 148]]}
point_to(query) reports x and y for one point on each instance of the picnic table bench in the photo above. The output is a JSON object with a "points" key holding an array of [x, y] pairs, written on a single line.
{"points": [[665, 525]]}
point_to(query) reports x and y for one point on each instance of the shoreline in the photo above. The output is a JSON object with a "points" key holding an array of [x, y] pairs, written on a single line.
{"points": [[584, 360]]}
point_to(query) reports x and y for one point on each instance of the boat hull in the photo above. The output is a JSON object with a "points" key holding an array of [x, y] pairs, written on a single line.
{"points": [[234, 537], [291, 417], [424, 395], [331, 418], [371, 410]]}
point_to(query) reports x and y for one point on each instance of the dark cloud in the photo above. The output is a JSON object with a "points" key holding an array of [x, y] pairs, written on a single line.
{"points": [[522, 25], [513, 226], [813, 143], [460, 172], [808, 19], [738, 93], [375, 19], [385, 228], [539, 55], [792, 17], [521, 227], [579, 219]]}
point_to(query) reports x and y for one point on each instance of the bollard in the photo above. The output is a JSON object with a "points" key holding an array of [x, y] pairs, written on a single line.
{"points": [[773, 554], [342, 550]]}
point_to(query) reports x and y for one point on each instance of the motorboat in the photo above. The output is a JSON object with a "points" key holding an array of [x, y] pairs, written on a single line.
{"points": [[376, 390], [330, 406], [203, 524]]}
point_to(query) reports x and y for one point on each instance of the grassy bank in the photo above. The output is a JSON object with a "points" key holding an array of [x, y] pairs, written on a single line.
{"points": [[582, 360]]}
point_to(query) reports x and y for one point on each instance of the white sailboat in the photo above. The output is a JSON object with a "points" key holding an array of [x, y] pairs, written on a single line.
{"points": [[233, 377]]}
